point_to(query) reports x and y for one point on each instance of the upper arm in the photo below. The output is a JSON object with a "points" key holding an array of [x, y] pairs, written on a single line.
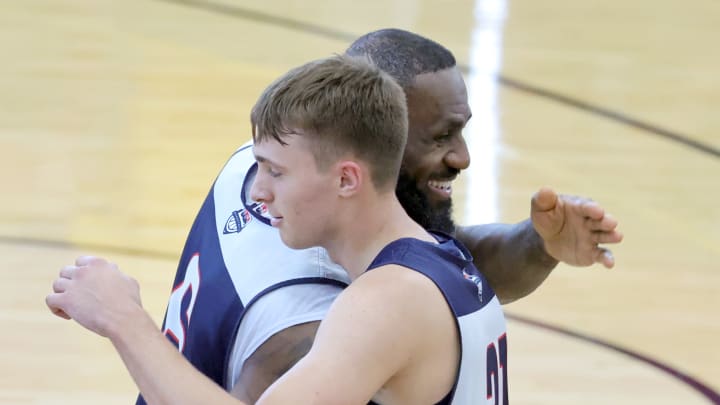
{"points": [[272, 359], [370, 320], [275, 332], [512, 257]]}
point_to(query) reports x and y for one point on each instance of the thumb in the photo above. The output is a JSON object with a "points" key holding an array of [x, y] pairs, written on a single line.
{"points": [[544, 200]]}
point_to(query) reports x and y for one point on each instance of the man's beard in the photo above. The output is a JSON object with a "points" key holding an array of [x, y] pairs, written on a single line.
{"points": [[418, 207]]}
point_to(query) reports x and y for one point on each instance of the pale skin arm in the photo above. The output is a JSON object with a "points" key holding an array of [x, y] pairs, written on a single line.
{"points": [[517, 258], [102, 299], [342, 366], [358, 330]]}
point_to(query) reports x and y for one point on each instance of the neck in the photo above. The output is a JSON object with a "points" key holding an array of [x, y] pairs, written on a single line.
{"points": [[367, 235]]}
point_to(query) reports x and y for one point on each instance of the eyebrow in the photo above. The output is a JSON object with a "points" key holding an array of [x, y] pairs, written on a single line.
{"points": [[454, 122], [263, 159]]}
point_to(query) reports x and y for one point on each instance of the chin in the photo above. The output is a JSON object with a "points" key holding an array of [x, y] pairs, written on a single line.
{"points": [[296, 244], [438, 203], [431, 213], [290, 242]]}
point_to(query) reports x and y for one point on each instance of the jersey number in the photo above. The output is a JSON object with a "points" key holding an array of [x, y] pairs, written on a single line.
{"points": [[181, 304], [497, 359]]}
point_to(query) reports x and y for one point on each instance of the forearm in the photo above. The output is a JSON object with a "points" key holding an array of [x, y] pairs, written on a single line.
{"points": [[511, 256], [161, 373]]}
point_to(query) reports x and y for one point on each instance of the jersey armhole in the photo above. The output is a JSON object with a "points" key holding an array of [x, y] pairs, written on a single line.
{"points": [[274, 311]]}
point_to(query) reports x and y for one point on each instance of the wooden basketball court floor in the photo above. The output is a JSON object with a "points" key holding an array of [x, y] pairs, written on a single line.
{"points": [[116, 116]]}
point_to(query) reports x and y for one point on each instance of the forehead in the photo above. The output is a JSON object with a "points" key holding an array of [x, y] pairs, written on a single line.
{"points": [[270, 150], [438, 97]]}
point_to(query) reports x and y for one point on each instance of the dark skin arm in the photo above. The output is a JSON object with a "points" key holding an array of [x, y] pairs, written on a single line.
{"points": [[272, 359], [511, 257], [517, 258]]}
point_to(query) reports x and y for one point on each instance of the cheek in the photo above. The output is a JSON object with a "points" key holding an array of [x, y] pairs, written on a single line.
{"points": [[421, 166], [303, 201]]}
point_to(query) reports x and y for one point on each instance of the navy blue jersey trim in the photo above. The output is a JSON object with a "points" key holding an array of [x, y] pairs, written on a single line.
{"points": [[416, 254], [242, 149], [253, 300], [250, 174], [401, 252]]}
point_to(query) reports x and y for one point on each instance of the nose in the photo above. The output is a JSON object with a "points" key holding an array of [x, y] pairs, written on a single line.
{"points": [[259, 191], [458, 156]]}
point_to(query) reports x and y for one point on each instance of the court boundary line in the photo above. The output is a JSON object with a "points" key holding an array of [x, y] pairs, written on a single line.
{"points": [[694, 383], [604, 112]]}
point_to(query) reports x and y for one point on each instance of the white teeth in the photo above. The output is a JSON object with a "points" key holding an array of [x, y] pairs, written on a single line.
{"points": [[441, 185]]}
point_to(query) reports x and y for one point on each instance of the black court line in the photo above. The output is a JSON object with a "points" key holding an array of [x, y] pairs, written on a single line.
{"points": [[296, 25], [609, 114], [712, 395], [270, 19]]}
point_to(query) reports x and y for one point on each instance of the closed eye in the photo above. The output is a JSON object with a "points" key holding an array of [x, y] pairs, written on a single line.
{"points": [[443, 137], [267, 167], [272, 172]]}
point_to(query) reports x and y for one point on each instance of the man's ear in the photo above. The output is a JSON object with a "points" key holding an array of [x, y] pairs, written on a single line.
{"points": [[352, 176]]}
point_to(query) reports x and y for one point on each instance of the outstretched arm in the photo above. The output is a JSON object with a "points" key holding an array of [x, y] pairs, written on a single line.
{"points": [[517, 258]]}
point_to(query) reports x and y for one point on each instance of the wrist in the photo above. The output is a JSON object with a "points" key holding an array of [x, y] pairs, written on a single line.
{"points": [[539, 247], [130, 325]]}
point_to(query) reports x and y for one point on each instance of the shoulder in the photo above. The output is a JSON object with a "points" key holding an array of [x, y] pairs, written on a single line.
{"points": [[392, 282], [393, 296], [379, 316]]}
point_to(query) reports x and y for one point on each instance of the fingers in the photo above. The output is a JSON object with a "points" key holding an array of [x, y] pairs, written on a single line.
{"points": [[603, 230], [591, 209], [544, 200], [61, 284], [604, 257], [67, 272], [604, 223], [602, 237], [88, 260], [54, 302]]}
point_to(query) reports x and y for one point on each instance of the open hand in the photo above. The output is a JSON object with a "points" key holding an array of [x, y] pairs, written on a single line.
{"points": [[572, 228]]}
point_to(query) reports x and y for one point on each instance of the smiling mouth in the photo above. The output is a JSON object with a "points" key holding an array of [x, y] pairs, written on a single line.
{"points": [[443, 188]]}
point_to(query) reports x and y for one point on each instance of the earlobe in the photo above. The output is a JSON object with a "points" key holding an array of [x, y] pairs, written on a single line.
{"points": [[351, 177]]}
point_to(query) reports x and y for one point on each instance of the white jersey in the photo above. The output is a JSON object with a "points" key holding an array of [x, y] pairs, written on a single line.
{"points": [[232, 258]]}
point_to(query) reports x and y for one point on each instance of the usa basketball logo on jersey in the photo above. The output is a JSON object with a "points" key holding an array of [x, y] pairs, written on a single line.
{"points": [[478, 282], [237, 221]]}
